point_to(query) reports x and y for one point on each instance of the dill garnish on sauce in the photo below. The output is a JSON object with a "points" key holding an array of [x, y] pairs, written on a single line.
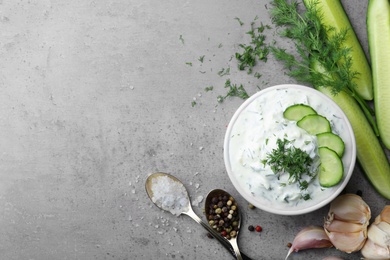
{"points": [[291, 160]]}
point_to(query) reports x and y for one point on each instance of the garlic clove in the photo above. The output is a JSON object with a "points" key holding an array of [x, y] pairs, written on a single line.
{"points": [[347, 242], [347, 221], [340, 226], [374, 251], [350, 208], [384, 215], [310, 237], [384, 226], [379, 236], [378, 242]]}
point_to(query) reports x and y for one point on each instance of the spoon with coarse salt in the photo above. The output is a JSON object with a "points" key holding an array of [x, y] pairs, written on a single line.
{"points": [[168, 193]]}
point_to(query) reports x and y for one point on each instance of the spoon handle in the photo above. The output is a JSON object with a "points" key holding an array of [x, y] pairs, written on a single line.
{"points": [[233, 242], [215, 234]]}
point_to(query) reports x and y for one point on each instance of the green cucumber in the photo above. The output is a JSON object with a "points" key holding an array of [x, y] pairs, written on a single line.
{"points": [[331, 168], [298, 111], [378, 32], [369, 152], [332, 15], [315, 124], [332, 141]]}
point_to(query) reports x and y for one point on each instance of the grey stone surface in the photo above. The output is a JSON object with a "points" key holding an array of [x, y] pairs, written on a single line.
{"points": [[96, 95]]}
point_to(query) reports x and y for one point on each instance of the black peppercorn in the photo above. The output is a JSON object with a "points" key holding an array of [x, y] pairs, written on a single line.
{"points": [[251, 228], [224, 212]]}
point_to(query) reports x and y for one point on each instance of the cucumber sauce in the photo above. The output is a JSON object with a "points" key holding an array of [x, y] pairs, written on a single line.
{"points": [[254, 136]]}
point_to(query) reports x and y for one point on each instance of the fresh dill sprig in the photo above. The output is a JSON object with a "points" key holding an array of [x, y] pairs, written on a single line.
{"points": [[224, 72], [239, 21], [234, 91], [313, 42], [209, 88], [321, 58], [201, 58], [256, 50], [257, 75], [181, 39], [289, 159]]}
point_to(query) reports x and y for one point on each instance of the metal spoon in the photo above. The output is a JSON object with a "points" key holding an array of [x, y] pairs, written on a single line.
{"points": [[233, 240], [189, 211]]}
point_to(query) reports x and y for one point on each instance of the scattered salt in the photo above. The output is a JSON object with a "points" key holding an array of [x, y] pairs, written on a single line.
{"points": [[169, 195], [196, 201], [197, 185], [201, 148]]}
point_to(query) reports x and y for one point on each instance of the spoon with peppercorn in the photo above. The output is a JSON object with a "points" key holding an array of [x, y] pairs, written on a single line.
{"points": [[169, 193], [223, 215]]}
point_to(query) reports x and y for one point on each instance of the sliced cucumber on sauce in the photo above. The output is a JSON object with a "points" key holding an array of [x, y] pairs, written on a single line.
{"points": [[332, 141], [331, 167], [298, 111], [314, 124], [330, 146]]}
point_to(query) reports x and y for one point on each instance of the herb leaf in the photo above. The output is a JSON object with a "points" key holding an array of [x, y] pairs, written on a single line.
{"points": [[289, 159], [256, 50], [234, 91]]}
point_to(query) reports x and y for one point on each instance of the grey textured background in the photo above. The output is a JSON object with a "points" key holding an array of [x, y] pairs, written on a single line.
{"points": [[96, 95]]}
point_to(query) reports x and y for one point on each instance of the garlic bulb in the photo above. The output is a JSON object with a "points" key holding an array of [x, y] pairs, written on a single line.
{"points": [[378, 242], [347, 221], [310, 237]]}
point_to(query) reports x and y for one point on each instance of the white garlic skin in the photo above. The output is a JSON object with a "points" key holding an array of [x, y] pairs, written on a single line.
{"points": [[347, 222], [378, 241]]}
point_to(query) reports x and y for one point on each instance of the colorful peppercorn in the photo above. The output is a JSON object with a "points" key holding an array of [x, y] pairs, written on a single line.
{"points": [[223, 215], [259, 229]]}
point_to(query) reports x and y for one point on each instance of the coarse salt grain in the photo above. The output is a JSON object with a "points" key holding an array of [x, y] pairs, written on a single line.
{"points": [[169, 195]]}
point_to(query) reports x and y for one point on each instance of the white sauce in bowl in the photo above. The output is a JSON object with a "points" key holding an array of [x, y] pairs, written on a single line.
{"points": [[252, 135]]}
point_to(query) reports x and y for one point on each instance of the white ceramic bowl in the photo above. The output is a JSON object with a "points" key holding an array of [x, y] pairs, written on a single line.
{"points": [[284, 95]]}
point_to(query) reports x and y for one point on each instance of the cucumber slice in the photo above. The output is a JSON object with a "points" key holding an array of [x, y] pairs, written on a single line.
{"points": [[298, 111], [332, 141], [331, 167], [314, 124]]}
